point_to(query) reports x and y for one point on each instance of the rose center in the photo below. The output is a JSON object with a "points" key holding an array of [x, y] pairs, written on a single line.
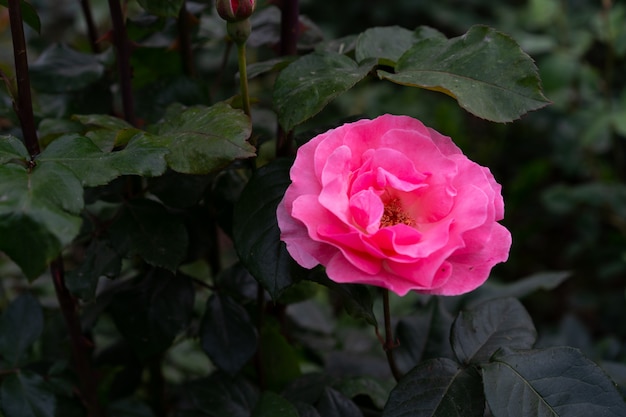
{"points": [[394, 214]]}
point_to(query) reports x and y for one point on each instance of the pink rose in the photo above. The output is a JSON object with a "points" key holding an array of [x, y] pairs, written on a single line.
{"points": [[392, 203]]}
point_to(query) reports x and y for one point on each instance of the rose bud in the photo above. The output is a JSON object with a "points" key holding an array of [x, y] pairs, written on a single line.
{"points": [[235, 10]]}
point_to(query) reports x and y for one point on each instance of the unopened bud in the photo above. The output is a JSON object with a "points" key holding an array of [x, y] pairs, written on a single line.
{"points": [[235, 10]]}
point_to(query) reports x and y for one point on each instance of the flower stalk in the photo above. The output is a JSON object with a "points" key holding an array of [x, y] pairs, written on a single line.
{"points": [[389, 343]]}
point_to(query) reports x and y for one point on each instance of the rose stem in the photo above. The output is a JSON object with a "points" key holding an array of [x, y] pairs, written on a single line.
{"points": [[243, 80], [123, 48], [92, 32], [389, 344], [289, 32], [23, 103], [184, 42]]}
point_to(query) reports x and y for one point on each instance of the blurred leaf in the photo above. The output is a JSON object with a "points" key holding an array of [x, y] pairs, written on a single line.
{"points": [[552, 382], [385, 44], [129, 407], [220, 396], [12, 149], [307, 85], [502, 323], [518, 289], [370, 387], [278, 358], [100, 260], [94, 167], [334, 404], [15, 336], [150, 315], [273, 405], [179, 190], [29, 14], [204, 139], [437, 388], [357, 300], [26, 394], [484, 70], [147, 228], [165, 8], [60, 69], [255, 229], [227, 334], [38, 213]]}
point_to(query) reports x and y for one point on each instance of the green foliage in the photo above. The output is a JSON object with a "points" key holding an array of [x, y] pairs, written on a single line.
{"points": [[170, 291]]}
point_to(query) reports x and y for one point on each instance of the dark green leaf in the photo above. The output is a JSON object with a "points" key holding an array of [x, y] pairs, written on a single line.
{"points": [[12, 149], [356, 299], [204, 139], [424, 334], [151, 314], [335, 404], [15, 336], [255, 229], [437, 388], [148, 229], [555, 382], [94, 167], [484, 70], [103, 121], [351, 387], [273, 405], [227, 334], [221, 396], [26, 394], [60, 69], [38, 213], [385, 44], [129, 407], [165, 8], [29, 14], [279, 359], [502, 323], [100, 260], [307, 85]]}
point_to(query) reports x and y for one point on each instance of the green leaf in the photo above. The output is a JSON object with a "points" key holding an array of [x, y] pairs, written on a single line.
{"points": [[437, 388], [255, 229], [100, 260], [150, 315], [351, 387], [335, 404], [221, 396], [26, 394], [15, 337], [484, 70], [38, 213], [278, 358], [147, 228], [502, 323], [29, 14], [227, 334], [307, 85], [356, 299], [555, 382], [12, 149], [165, 8], [93, 167], [385, 44], [273, 405], [129, 407], [204, 139], [60, 69]]}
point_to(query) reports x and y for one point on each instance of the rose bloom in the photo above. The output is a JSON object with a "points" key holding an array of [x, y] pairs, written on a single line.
{"points": [[392, 203]]}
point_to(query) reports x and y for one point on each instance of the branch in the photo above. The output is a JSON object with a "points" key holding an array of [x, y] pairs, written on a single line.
{"points": [[92, 32]]}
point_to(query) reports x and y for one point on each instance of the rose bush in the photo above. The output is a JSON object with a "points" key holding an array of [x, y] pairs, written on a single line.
{"points": [[392, 203]]}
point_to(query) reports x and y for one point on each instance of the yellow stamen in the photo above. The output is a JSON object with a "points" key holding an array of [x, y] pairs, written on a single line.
{"points": [[394, 214]]}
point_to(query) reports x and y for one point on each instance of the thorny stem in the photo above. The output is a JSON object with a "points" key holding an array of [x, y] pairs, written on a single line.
{"points": [[79, 344], [289, 33], [389, 343], [123, 48], [92, 32], [23, 102]]}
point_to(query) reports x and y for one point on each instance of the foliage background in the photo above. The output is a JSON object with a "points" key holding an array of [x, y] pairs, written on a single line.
{"points": [[562, 169]]}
